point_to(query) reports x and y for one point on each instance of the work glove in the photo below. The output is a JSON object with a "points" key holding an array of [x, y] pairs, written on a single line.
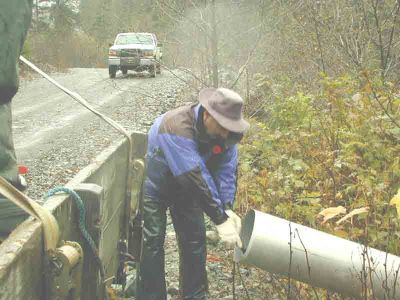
{"points": [[228, 233], [236, 219]]}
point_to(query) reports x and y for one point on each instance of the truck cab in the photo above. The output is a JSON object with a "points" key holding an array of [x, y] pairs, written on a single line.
{"points": [[137, 51]]}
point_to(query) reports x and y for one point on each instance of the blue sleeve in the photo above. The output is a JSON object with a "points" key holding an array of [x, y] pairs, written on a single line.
{"points": [[189, 169], [225, 177]]}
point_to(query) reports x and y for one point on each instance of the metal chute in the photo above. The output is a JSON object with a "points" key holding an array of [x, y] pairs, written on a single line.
{"points": [[317, 258]]}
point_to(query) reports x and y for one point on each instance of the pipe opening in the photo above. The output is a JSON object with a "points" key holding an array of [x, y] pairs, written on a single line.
{"points": [[247, 229]]}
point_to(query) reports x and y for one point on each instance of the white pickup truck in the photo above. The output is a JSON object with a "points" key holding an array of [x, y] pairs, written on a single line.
{"points": [[138, 51]]}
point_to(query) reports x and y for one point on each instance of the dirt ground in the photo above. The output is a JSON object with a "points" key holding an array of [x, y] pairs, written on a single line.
{"points": [[245, 283]]}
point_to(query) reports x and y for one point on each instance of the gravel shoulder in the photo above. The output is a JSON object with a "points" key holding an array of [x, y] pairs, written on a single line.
{"points": [[246, 283], [56, 137]]}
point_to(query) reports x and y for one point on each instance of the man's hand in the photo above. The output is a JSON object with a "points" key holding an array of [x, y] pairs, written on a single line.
{"points": [[235, 218], [228, 233]]}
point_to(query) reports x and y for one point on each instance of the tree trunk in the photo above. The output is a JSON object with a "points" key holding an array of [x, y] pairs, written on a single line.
{"points": [[214, 45]]}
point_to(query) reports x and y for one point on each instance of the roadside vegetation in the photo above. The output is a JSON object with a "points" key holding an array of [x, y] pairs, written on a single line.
{"points": [[326, 126], [333, 148]]}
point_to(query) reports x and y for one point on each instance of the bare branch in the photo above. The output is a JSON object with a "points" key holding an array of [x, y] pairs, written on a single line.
{"points": [[242, 68], [194, 22], [308, 263], [391, 36], [194, 76], [375, 95]]}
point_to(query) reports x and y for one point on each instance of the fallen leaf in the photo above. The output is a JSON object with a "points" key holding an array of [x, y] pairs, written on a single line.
{"points": [[354, 212], [341, 233], [112, 294], [213, 258], [331, 212], [396, 202]]}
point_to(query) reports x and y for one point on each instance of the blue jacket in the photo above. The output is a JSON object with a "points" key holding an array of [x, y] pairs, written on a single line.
{"points": [[182, 161]]}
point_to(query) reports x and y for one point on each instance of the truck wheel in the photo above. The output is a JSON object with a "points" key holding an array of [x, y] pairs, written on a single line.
{"points": [[112, 71], [124, 71], [153, 71], [158, 69]]}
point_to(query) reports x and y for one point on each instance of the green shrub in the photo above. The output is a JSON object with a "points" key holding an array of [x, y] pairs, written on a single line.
{"points": [[337, 146]]}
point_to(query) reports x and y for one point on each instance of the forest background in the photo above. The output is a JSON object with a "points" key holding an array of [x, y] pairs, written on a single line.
{"points": [[321, 85]]}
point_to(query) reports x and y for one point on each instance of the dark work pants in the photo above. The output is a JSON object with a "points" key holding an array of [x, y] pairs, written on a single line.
{"points": [[10, 214], [188, 220]]}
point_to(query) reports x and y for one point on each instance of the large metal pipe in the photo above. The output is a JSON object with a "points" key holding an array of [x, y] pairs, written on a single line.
{"points": [[320, 259]]}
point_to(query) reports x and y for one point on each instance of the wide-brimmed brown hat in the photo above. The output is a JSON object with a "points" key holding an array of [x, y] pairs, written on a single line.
{"points": [[225, 106]]}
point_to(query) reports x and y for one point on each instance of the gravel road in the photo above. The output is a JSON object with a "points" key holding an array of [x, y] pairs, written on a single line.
{"points": [[56, 137]]}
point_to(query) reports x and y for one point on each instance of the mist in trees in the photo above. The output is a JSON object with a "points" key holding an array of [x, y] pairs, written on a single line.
{"points": [[220, 40]]}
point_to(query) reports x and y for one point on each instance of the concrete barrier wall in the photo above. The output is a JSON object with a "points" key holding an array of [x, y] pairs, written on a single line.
{"points": [[102, 186]]}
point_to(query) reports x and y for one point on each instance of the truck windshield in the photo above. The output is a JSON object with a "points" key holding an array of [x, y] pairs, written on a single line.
{"points": [[125, 39]]}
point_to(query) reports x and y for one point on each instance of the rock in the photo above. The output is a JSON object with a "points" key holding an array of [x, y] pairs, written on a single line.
{"points": [[130, 287], [356, 97], [268, 278], [173, 290], [244, 272], [171, 234], [169, 251], [212, 237], [228, 276]]}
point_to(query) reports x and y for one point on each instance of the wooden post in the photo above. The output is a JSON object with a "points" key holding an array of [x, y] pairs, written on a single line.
{"points": [[214, 45]]}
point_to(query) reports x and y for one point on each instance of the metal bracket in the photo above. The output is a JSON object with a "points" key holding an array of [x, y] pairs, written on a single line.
{"points": [[64, 272], [136, 222], [139, 170]]}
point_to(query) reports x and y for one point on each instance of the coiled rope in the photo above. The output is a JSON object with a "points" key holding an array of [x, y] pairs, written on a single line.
{"points": [[82, 227]]}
